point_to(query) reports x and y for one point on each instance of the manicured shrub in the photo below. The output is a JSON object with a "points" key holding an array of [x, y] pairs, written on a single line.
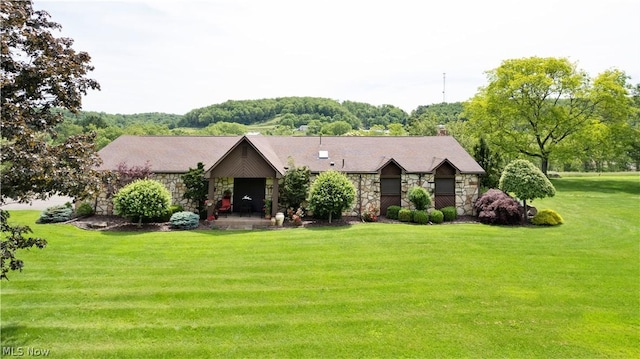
{"points": [[404, 215], [450, 213], [547, 217], [56, 214], [174, 208], [84, 209], [419, 197], [436, 216], [497, 207], [392, 212], [421, 217], [142, 199], [184, 220]]}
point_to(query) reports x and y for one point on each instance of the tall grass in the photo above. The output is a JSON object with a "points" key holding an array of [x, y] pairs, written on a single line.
{"points": [[369, 290]]}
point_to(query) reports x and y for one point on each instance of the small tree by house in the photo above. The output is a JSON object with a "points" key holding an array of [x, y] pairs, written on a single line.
{"points": [[142, 200], [490, 160], [196, 188], [331, 193], [526, 181], [295, 186]]}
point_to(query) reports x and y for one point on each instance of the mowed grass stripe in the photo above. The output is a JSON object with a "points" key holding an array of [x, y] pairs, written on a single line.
{"points": [[370, 290]]}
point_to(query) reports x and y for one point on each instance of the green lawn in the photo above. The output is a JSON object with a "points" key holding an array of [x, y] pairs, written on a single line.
{"points": [[369, 290]]}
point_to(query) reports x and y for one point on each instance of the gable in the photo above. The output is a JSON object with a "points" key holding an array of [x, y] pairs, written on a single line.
{"points": [[243, 160]]}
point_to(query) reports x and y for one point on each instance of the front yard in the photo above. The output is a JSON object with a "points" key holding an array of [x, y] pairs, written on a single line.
{"points": [[365, 290]]}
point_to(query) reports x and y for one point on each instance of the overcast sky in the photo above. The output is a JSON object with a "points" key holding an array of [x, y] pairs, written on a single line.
{"points": [[174, 56]]}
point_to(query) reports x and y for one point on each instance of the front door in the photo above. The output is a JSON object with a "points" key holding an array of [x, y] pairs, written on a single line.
{"points": [[248, 194]]}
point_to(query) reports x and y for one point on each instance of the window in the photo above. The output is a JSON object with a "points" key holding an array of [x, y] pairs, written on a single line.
{"points": [[445, 186], [390, 186]]}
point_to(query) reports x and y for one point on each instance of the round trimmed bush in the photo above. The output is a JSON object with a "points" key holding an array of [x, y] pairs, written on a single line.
{"points": [[450, 213], [331, 193], [436, 216], [547, 217], [142, 200], [84, 209], [184, 220], [421, 217], [174, 208], [419, 197], [392, 212], [404, 215]]}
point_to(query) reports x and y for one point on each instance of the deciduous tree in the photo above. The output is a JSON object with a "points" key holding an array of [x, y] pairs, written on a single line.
{"points": [[526, 181], [331, 193], [39, 73], [533, 104]]}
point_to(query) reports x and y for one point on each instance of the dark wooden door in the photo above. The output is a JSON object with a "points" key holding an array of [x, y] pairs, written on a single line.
{"points": [[390, 193], [445, 192]]}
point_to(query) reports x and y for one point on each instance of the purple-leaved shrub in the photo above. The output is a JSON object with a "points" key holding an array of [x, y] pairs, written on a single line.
{"points": [[497, 207]]}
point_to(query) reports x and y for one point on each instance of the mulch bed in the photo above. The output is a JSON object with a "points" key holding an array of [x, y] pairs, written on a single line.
{"points": [[115, 223]]}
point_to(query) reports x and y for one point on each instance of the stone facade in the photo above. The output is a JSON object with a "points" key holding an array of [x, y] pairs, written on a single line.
{"points": [[172, 181], [467, 191], [367, 191]]}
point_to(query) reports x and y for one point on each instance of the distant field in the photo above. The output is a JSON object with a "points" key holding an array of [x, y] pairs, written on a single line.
{"points": [[368, 290]]}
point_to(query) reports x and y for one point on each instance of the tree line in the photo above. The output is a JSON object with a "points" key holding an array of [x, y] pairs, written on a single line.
{"points": [[280, 116]]}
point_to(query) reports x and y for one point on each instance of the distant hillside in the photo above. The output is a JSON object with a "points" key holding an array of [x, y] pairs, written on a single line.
{"points": [[278, 116], [295, 111]]}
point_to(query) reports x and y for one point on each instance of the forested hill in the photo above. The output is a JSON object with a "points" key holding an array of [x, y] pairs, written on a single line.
{"points": [[277, 116], [295, 111]]}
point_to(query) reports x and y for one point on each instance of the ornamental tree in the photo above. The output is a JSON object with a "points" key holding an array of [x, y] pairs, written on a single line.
{"points": [[142, 199], [39, 74], [526, 181], [331, 193]]}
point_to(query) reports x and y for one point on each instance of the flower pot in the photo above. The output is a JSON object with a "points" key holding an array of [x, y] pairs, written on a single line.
{"points": [[279, 219]]}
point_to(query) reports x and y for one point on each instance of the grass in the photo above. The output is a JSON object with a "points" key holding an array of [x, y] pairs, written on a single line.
{"points": [[369, 290]]}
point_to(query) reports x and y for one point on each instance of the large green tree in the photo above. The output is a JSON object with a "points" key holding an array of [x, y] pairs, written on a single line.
{"points": [[39, 73], [532, 105]]}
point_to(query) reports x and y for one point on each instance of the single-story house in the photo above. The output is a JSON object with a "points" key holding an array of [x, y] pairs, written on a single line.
{"points": [[382, 169]]}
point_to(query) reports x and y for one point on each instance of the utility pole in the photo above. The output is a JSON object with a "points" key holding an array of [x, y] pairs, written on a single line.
{"points": [[444, 83]]}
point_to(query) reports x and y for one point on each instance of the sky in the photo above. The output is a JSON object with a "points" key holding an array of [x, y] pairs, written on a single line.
{"points": [[174, 56]]}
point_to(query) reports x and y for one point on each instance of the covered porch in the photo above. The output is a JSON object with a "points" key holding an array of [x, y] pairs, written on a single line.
{"points": [[248, 178]]}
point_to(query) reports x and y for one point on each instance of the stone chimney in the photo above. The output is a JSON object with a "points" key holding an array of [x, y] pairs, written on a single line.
{"points": [[442, 131]]}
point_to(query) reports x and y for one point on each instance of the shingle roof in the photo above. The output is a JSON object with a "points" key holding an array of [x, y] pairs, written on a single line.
{"points": [[349, 154]]}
